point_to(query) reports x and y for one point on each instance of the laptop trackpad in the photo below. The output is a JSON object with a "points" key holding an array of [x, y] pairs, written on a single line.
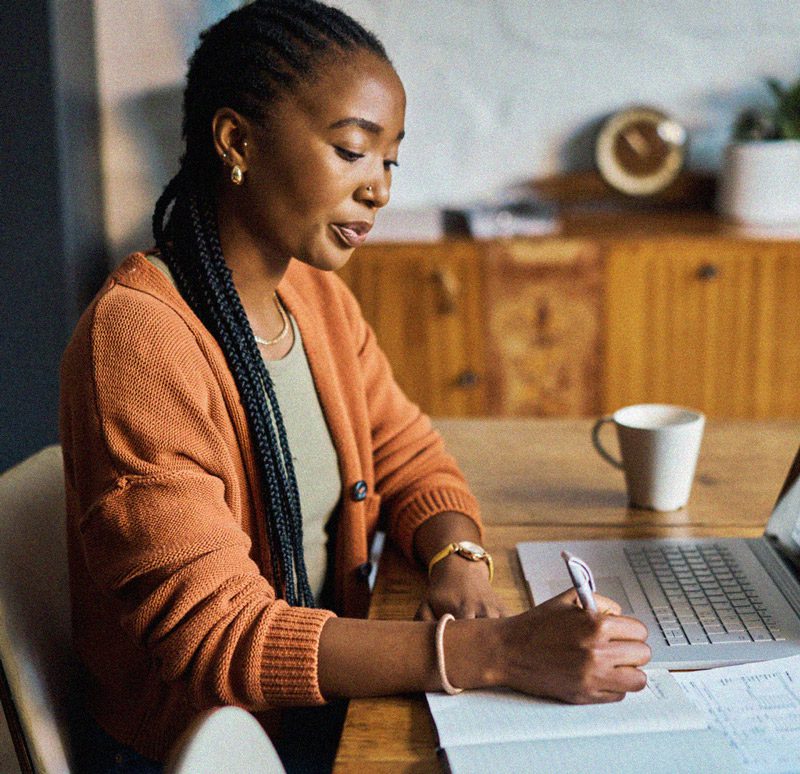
{"points": [[608, 587]]}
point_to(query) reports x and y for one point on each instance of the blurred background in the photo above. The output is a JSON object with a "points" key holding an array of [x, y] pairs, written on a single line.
{"points": [[500, 93]]}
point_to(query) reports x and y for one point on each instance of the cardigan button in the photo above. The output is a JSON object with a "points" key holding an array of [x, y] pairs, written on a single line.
{"points": [[364, 570], [358, 491]]}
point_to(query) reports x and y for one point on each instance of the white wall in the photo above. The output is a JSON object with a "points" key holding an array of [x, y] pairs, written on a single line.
{"points": [[499, 90]]}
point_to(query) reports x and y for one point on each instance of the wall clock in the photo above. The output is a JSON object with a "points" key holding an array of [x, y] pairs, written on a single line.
{"points": [[640, 150]]}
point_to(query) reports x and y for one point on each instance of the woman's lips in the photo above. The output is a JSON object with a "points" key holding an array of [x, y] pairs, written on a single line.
{"points": [[352, 234]]}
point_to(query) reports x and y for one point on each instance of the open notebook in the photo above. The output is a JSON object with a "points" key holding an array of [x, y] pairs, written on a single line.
{"points": [[733, 719]]}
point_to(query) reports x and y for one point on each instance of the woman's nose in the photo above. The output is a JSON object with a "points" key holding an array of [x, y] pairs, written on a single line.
{"points": [[376, 191]]}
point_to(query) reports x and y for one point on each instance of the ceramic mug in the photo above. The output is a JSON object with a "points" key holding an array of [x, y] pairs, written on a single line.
{"points": [[660, 445]]}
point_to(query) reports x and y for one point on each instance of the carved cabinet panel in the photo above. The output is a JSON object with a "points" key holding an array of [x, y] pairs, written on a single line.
{"points": [[544, 327]]}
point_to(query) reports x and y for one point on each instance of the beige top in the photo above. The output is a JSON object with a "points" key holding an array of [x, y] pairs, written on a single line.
{"points": [[316, 466]]}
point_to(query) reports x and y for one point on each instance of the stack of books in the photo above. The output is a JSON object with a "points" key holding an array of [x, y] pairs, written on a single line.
{"points": [[509, 217]]}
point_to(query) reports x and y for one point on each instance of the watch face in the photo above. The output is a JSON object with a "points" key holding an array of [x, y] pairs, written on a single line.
{"points": [[640, 151], [471, 550]]}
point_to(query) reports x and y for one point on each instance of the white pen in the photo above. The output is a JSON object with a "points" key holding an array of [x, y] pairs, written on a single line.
{"points": [[582, 579]]}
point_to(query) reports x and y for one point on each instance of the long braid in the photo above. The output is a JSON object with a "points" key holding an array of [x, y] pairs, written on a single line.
{"points": [[247, 62]]}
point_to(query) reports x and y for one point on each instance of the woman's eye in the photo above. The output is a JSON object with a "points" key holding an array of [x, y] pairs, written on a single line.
{"points": [[348, 155], [389, 163]]}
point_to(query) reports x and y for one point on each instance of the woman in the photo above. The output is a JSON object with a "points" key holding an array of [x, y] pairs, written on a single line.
{"points": [[231, 430]]}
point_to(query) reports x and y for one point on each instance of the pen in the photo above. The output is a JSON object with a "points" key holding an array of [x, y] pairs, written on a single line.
{"points": [[582, 579]]}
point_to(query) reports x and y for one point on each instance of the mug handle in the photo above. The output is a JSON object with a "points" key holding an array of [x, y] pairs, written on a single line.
{"points": [[599, 446]]}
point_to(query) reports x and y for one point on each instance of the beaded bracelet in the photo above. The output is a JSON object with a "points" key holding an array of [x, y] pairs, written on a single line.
{"points": [[446, 685]]}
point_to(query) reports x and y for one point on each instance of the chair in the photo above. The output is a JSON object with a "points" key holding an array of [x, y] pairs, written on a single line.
{"points": [[37, 664], [35, 642], [225, 739]]}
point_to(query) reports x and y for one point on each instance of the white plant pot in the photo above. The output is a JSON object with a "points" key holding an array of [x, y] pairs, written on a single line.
{"points": [[760, 183]]}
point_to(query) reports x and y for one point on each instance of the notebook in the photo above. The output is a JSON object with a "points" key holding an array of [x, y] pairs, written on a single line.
{"points": [[734, 719], [707, 601]]}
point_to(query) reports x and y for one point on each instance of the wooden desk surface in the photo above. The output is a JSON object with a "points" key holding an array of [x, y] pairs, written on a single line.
{"points": [[540, 479]]}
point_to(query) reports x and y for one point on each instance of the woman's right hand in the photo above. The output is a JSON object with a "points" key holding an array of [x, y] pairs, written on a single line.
{"points": [[561, 651], [557, 649]]}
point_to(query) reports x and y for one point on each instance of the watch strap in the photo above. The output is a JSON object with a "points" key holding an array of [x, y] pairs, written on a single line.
{"points": [[450, 548], [455, 548]]}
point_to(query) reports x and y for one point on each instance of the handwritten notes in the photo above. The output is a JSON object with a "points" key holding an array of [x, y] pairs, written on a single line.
{"points": [[757, 709]]}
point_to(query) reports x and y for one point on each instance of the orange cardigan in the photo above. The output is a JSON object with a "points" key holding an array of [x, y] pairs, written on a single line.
{"points": [[172, 605]]}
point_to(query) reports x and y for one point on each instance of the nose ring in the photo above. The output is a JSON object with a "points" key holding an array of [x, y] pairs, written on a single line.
{"points": [[369, 189]]}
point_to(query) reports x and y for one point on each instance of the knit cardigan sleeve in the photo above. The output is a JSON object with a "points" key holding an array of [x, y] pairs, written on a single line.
{"points": [[414, 474], [160, 537]]}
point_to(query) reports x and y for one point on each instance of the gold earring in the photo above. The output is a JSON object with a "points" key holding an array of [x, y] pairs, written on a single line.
{"points": [[237, 175]]}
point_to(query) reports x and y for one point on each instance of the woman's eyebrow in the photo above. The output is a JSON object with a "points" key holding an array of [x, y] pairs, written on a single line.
{"points": [[363, 123]]}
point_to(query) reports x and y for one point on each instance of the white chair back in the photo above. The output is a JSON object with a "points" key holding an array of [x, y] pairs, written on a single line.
{"points": [[226, 739], [35, 639]]}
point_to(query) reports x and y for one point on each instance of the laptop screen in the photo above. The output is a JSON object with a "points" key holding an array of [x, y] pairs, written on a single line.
{"points": [[784, 524]]}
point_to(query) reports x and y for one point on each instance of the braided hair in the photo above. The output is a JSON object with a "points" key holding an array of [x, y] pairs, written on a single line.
{"points": [[247, 62]]}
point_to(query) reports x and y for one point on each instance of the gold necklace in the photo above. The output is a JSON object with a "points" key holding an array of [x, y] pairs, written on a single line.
{"points": [[284, 329]]}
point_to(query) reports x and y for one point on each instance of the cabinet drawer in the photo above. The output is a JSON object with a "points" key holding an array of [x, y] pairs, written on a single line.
{"points": [[424, 303], [708, 324]]}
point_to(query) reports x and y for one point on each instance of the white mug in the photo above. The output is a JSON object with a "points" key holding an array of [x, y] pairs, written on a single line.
{"points": [[659, 444]]}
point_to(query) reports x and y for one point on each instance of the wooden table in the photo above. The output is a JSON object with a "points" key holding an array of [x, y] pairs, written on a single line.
{"points": [[540, 479]]}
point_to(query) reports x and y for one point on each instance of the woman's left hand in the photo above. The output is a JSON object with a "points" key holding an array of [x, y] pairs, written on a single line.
{"points": [[460, 587]]}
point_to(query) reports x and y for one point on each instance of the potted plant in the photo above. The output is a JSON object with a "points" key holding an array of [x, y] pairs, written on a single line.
{"points": [[760, 181]]}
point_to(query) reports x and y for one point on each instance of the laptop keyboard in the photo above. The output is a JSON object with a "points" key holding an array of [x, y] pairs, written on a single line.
{"points": [[699, 595]]}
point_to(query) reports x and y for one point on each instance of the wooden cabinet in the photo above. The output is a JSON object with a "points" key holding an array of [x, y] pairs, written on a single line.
{"points": [[501, 328], [709, 323], [587, 322], [425, 304]]}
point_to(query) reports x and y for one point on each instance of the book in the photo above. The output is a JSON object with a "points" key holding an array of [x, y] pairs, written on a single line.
{"points": [[731, 719]]}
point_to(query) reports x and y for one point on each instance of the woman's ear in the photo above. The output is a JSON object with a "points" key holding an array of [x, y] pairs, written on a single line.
{"points": [[230, 130]]}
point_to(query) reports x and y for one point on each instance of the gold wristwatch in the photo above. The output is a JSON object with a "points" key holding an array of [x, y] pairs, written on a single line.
{"points": [[468, 550]]}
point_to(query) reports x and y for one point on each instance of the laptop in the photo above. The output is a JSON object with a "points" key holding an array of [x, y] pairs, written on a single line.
{"points": [[705, 601]]}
